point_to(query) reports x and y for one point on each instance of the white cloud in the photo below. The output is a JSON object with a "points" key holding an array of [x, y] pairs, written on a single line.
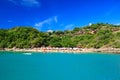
{"points": [[40, 24], [13, 1], [30, 3], [10, 21], [27, 3], [69, 27], [49, 21], [50, 31], [117, 24], [55, 18], [90, 24]]}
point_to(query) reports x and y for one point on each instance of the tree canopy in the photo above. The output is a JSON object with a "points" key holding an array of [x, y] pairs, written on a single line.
{"points": [[93, 36]]}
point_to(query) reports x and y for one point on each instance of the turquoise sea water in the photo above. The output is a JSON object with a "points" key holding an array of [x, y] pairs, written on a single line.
{"points": [[17, 66]]}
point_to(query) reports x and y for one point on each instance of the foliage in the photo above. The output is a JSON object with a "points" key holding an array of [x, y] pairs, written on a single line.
{"points": [[94, 36]]}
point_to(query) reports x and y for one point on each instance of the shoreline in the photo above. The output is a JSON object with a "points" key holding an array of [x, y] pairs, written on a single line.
{"points": [[66, 50]]}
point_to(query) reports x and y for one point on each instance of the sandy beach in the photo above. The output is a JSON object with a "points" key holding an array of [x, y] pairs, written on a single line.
{"points": [[66, 50]]}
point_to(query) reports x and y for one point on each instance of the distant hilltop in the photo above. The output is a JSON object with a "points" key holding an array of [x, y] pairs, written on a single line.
{"points": [[98, 35]]}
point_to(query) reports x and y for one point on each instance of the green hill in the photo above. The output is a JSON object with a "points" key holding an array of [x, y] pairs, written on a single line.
{"points": [[94, 36]]}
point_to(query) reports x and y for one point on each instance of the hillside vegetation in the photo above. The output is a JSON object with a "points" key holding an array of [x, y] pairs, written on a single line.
{"points": [[98, 35]]}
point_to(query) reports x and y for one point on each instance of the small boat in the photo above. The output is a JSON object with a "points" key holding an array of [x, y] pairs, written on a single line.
{"points": [[27, 53]]}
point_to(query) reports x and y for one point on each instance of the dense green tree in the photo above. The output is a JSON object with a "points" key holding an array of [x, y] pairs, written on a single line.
{"points": [[55, 41], [93, 36]]}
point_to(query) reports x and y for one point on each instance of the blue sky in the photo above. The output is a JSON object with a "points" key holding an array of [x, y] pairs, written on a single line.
{"points": [[57, 14]]}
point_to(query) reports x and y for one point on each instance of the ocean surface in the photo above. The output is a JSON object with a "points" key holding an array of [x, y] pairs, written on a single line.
{"points": [[59, 66]]}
